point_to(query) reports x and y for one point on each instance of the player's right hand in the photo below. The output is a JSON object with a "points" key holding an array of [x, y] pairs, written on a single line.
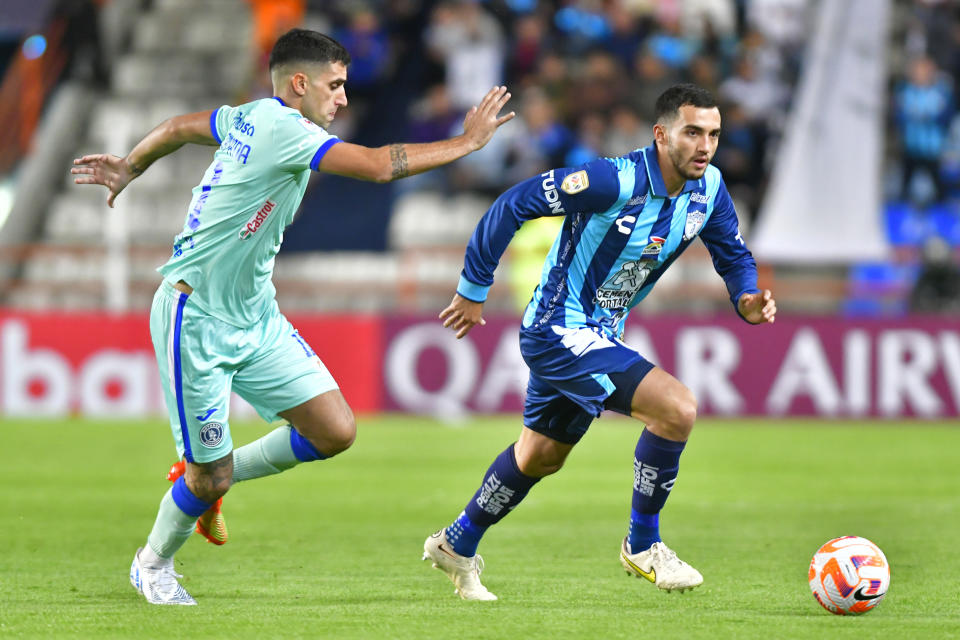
{"points": [[482, 121], [461, 315], [113, 172]]}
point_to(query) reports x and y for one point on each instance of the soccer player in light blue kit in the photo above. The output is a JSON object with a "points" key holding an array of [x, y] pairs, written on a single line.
{"points": [[214, 321], [627, 220]]}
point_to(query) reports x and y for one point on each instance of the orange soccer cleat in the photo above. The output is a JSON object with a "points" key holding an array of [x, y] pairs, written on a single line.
{"points": [[211, 524]]}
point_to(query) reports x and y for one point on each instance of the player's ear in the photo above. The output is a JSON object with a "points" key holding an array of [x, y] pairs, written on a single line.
{"points": [[659, 133], [299, 82]]}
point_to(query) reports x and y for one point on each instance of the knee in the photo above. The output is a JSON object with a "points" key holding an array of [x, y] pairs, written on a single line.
{"points": [[540, 463], [209, 488], [546, 468], [340, 435], [683, 415]]}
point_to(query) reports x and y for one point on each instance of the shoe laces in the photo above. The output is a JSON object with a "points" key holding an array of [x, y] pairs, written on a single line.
{"points": [[478, 565], [666, 555], [167, 579]]}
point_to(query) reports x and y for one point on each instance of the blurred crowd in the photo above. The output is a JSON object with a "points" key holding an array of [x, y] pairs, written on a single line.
{"points": [[584, 74]]}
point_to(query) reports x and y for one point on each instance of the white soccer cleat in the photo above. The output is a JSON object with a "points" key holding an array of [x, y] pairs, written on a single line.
{"points": [[660, 565], [158, 585], [463, 572]]}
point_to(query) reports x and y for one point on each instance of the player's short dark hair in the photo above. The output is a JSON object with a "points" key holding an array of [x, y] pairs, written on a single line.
{"points": [[303, 45], [681, 95]]}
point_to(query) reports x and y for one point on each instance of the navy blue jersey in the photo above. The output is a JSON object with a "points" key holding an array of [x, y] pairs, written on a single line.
{"points": [[621, 232]]}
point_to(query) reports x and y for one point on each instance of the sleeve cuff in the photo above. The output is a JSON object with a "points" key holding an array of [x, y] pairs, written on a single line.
{"points": [[472, 292], [213, 125], [322, 151]]}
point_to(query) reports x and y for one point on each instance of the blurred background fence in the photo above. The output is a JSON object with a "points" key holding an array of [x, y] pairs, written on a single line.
{"points": [[840, 146]]}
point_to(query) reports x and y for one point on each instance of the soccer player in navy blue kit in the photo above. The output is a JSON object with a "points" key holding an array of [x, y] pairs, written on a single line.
{"points": [[627, 220]]}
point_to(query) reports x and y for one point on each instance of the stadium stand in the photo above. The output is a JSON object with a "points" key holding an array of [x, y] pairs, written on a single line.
{"points": [[171, 56]]}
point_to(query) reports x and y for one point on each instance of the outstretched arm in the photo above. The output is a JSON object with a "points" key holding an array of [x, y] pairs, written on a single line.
{"points": [[116, 173], [395, 161]]}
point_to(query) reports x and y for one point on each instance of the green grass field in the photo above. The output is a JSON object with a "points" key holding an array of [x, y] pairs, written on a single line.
{"points": [[332, 549]]}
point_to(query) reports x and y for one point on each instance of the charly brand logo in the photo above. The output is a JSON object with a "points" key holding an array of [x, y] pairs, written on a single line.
{"points": [[211, 434], [257, 219]]}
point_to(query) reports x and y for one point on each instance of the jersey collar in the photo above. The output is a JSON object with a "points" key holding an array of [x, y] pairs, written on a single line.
{"points": [[280, 100], [655, 176]]}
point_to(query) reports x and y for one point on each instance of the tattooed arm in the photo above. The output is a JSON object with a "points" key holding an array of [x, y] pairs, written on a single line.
{"points": [[388, 163], [116, 173]]}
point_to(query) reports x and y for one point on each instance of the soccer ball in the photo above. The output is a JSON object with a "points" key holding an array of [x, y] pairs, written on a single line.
{"points": [[849, 575]]}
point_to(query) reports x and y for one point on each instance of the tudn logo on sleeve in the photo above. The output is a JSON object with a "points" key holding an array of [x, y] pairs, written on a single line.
{"points": [[211, 434], [257, 219], [575, 182]]}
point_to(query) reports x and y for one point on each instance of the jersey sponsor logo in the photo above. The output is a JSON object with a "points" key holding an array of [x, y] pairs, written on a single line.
{"points": [[309, 125], [211, 434], [549, 186], [700, 198], [575, 182], [242, 126], [694, 223], [236, 148], [652, 250], [257, 219], [621, 287]]}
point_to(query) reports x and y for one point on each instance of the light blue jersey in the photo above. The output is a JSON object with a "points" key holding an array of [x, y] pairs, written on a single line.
{"points": [[238, 213], [621, 232]]}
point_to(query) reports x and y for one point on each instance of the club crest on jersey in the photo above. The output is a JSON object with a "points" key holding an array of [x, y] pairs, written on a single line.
{"points": [[694, 222], [257, 219], [211, 434], [309, 125], [575, 182], [652, 250]]}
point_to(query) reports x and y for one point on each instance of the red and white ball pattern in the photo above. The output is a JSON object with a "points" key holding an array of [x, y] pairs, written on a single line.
{"points": [[849, 575]]}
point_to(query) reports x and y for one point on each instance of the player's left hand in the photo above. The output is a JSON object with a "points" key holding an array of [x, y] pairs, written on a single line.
{"points": [[481, 121], [758, 308], [461, 315]]}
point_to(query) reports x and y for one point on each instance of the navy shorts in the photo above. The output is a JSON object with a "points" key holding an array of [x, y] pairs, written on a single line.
{"points": [[576, 373]]}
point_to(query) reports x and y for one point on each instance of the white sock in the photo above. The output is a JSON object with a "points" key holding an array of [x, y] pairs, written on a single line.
{"points": [[149, 558]]}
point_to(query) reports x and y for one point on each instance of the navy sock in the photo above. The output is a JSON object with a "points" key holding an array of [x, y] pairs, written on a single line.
{"points": [[503, 487], [655, 466], [464, 535]]}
